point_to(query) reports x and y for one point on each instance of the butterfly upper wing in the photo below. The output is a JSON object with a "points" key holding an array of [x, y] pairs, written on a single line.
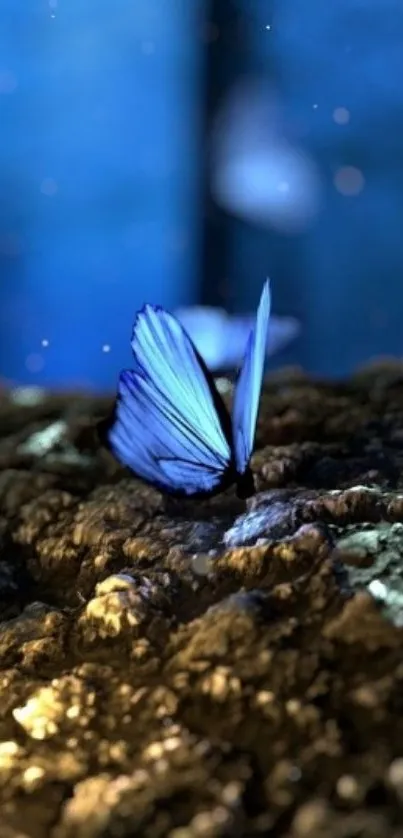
{"points": [[170, 425], [248, 387]]}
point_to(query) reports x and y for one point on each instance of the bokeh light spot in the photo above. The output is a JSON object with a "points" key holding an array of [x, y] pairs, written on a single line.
{"points": [[341, 116], [349, 181], [28, 396]]}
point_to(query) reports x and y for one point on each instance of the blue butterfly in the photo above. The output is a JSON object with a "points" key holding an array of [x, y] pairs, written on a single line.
{"points": [[170, 425]]}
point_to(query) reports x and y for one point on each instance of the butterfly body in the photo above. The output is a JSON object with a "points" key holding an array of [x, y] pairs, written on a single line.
{"points": [[170, 425]]}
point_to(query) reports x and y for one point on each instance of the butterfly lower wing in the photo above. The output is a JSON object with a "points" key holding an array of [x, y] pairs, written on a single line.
{"points": [[170, 425], [249, 384]]}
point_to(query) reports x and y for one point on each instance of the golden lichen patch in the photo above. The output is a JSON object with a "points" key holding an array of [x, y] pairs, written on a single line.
{"points": [[116, 606], [361, 622], [47, 710]]}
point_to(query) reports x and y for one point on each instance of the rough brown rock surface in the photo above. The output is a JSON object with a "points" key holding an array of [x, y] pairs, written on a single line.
{"points": [[215, 669]]}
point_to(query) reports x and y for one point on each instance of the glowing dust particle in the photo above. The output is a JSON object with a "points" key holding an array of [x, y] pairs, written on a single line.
{"points": [[106, 347], [45, 342]]}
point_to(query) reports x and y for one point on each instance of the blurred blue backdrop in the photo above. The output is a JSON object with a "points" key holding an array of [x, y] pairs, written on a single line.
{"points": [[178, 151]]}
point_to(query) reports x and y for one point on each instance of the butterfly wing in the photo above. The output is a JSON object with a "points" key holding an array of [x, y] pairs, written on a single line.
{"points": [[170, 425], [249, 384]]}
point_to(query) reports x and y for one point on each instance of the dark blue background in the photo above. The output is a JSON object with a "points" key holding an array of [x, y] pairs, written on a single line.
{"points": [[104, 201]]}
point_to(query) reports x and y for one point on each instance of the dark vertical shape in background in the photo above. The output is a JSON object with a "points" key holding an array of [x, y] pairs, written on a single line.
{"points": [[224, 62], [99, 180]]}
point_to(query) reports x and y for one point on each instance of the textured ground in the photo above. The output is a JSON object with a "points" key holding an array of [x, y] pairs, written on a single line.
{"points": [[214, 670]]}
